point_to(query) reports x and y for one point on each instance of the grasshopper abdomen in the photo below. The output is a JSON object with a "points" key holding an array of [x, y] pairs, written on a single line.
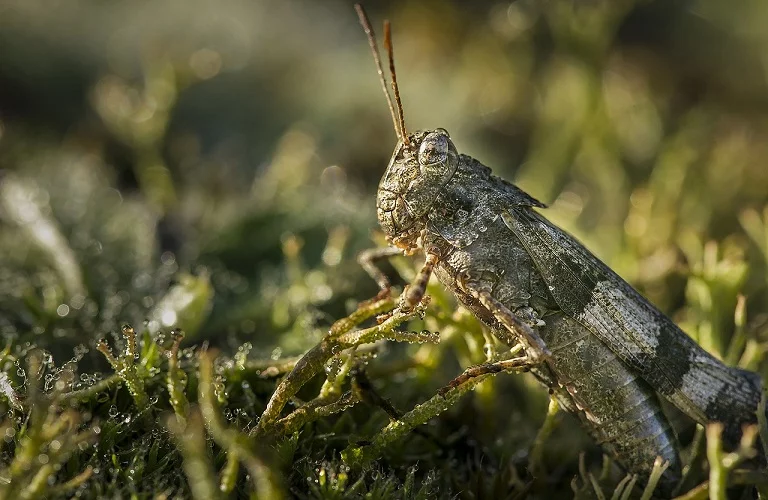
{"points": [[619, 409]]}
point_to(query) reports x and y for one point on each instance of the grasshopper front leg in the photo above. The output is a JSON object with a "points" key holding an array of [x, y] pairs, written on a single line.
{"points": [[413, 294]]}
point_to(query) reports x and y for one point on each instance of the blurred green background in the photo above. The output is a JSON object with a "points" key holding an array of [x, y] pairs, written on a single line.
{"points": [[213, 166]]}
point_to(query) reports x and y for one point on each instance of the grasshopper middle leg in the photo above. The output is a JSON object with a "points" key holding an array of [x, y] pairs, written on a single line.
{"points": [[535, 347], [508, 365]]}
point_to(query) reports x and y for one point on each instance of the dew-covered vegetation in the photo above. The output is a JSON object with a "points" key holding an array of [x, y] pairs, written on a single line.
{"points": [[184, 187]]}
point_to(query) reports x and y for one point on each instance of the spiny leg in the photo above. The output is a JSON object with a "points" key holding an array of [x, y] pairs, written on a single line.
{"points": [[511, 365], [535, 347], [369, 258], [415, 291]]}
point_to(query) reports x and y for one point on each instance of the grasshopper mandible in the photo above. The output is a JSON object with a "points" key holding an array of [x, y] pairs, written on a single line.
{"points": [[603, 350]]}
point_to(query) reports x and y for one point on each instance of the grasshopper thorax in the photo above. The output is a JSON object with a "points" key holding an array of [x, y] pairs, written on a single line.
{"points": [[417, 172]]}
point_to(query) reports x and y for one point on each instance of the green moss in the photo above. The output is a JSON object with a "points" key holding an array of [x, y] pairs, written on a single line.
{"points": [[181, 191]]}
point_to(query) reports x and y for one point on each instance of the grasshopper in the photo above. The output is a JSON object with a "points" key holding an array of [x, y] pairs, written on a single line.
{"points": [[605, 352]]}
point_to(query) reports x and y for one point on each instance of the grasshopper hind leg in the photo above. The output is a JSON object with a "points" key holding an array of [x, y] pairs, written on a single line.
{"points": [[618, 408]]}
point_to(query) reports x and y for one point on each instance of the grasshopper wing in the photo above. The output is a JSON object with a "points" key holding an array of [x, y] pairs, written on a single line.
{"points": [[638, 333]]}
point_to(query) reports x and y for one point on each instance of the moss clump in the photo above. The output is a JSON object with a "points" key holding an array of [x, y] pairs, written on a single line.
{"points": [[203, 187]]}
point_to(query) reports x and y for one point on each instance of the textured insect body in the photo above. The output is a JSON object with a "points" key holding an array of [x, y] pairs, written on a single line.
{"points": [[605, 352], [474, 227]]}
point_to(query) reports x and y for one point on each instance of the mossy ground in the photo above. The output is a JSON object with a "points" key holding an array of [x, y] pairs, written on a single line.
{"points": [[207, 177]]}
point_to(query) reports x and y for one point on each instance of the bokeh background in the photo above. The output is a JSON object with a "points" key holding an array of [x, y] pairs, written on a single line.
{"points": [[213, 166]]}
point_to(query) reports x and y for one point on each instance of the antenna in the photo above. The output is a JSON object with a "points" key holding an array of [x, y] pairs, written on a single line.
{"points": [[391, 54], [397, 118]]}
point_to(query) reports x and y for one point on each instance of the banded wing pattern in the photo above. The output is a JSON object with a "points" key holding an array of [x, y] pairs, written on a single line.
{"points": [[638, 333]]}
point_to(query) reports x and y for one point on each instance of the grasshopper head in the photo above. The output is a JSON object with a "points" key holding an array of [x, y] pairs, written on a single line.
{"points": [[421, 164], [416, 173]]}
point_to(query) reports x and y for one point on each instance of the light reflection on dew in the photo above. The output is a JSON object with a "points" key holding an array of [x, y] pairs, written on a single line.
{"points": [[168, 318]]}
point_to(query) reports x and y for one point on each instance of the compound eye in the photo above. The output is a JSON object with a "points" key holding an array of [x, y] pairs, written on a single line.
{"points": [[434, 148]]}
